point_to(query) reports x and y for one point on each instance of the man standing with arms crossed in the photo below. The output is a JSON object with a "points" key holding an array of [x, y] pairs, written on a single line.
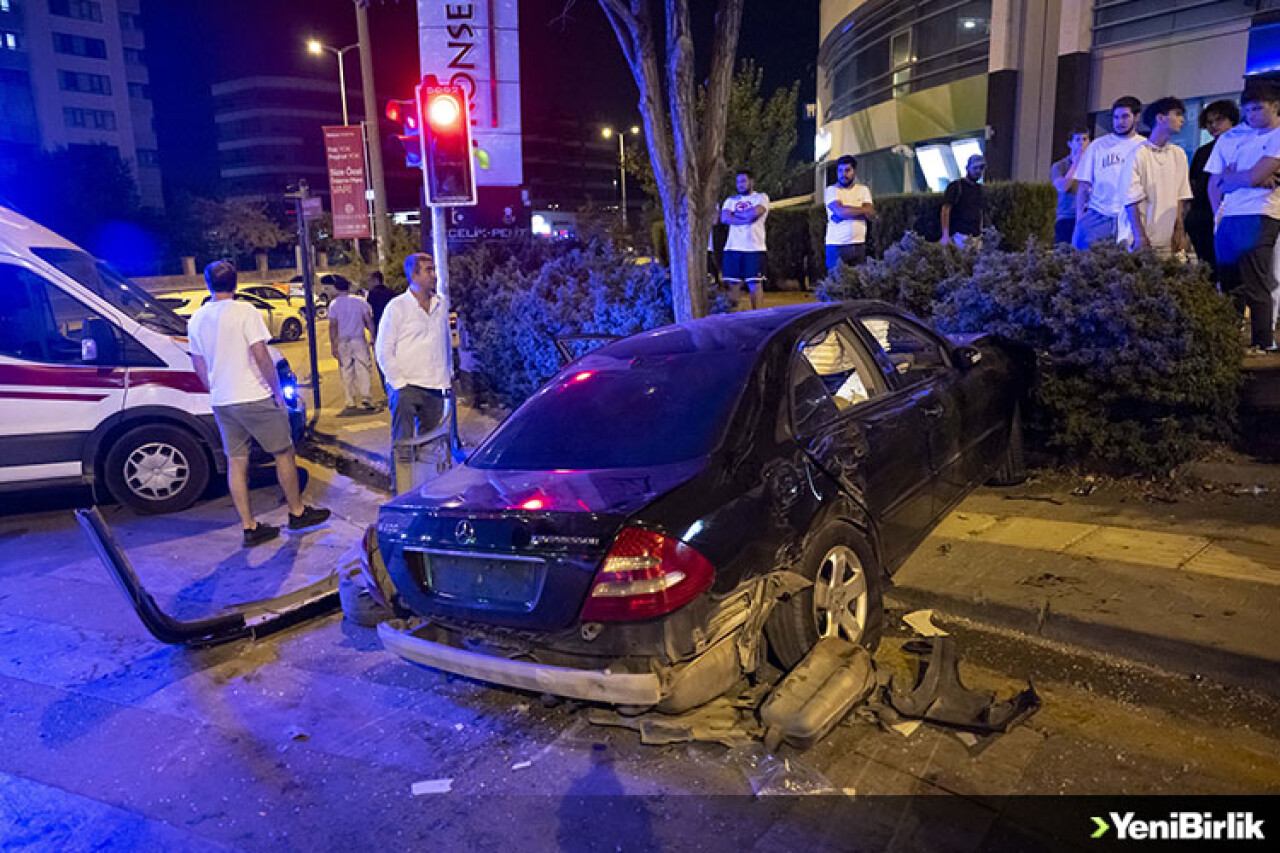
{"points": [[1160, 186], [349, 318], [745, 214], [229, 353], [410, 346], [1102, 178], [1243, 189], [848, 211]]}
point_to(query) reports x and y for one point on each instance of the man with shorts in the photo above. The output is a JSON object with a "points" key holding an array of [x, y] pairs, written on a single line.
{"points": [[745, 214], [229, 353], [849, 209]]}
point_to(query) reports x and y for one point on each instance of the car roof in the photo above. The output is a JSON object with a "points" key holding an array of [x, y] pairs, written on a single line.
{"points": [[18, 235]]}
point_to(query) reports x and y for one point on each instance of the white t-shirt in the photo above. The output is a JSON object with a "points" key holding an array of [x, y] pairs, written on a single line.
{"points": [[1159, 184], [221, 332], [348, 313], [1242, 147], [846, 231], [1105, 165], [746, 238]]}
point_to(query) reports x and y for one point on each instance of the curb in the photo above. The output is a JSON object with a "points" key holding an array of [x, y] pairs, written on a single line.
{"points": [[361, 465], [1188, 660]]}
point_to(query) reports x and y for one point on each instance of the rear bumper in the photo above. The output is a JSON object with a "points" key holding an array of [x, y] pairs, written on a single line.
{"points": [[669, 687], [592, 685]]}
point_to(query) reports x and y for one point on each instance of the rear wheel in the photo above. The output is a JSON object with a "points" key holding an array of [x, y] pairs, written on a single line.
{"points": [[156, 468], [845, 599], [291, 330], [1013, 466]]}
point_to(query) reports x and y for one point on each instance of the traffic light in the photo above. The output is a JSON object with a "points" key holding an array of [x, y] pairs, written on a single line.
{"points": [[446, 138], [406, 114]]}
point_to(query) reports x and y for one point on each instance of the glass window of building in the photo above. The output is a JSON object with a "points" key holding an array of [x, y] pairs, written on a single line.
{"points": [[79, 46], [83, 10], [887, 50]]}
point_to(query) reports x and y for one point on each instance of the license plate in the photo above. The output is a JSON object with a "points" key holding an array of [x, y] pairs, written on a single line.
{"points": [[480, 581]]}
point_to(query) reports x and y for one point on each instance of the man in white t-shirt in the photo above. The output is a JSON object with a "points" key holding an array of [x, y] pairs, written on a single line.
{"points": [[1161, 185], [1243, 191], [745, 214], [349, 318], [1103, 178], [848, 211], [229, 353]]}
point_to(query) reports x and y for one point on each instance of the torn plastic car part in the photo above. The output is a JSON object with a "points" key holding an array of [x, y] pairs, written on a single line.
{"points": [[939, 697], [251, 620]]}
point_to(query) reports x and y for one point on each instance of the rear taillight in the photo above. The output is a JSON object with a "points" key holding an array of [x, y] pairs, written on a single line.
{"points": [[645, 575]]}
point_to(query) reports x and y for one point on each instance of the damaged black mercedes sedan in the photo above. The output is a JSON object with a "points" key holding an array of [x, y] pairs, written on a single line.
{"points": [[636, 529]]}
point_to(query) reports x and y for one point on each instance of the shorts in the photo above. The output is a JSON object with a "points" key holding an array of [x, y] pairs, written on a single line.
{"points": [[850, 253], [261, 420], [743, 266]]}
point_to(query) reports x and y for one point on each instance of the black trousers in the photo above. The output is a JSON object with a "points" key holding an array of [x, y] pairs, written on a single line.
{"points": [[1244, 246]]}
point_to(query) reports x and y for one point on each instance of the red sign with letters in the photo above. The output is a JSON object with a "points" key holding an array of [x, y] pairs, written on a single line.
{"points": [[344, 149]]}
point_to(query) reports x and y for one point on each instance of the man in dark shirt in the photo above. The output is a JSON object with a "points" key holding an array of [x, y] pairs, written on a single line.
{"points": [[379, 296], [962, 204], [1217, 118]]}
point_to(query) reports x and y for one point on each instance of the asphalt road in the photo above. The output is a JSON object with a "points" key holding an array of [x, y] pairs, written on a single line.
{"points": [[314, 739]]}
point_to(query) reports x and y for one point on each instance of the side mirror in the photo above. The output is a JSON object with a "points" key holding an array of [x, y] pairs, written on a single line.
{"points": [[968, 357]]}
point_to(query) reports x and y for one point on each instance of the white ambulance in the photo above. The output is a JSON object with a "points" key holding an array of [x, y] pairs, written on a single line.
{"points": [[96, 382]]}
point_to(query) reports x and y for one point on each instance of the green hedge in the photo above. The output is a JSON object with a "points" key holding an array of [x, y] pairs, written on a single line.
{"points": [[1140, 357], [514, 299]]}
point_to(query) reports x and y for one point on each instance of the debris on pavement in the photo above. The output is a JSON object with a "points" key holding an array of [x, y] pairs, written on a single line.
{"points": [[907, 728], [768, 775], [921, 621], [522, 765], [718, 721], [431, 786], [818, 693], [938, 696], [1088, 487]]}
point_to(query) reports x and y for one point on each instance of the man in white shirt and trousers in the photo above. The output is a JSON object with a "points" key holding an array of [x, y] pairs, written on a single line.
{"points": [[410, 348], [349, 318]]}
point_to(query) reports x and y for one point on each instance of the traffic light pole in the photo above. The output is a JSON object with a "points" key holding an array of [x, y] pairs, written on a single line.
{"points": [[440, 254], [375, 137], [308, 289]]}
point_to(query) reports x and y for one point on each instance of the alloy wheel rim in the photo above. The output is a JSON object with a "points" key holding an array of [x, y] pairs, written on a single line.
{"points": [[156, 471], [840, 595]]}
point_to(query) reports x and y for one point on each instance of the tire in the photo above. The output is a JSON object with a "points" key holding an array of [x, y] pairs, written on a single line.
{"points": [[358, 605], [291, 330], [1013, 466], [157, 468], [796, 624]]}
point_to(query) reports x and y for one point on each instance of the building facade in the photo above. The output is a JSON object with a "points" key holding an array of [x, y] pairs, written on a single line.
{"points": [[914, 88], [73, 72]]}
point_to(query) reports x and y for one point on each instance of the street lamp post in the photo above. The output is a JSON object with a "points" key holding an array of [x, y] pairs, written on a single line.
{"points": [[318, 48], [622, 165]]}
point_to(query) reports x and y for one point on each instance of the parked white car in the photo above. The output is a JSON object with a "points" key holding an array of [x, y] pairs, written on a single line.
{"points": [[284, 321]]}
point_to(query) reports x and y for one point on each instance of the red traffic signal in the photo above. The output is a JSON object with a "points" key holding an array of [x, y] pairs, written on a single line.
{"points": [[406, 114], [447, 155]]}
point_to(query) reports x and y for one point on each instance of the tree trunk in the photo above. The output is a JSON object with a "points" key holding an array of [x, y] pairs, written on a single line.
{"points": [[688, 265]]}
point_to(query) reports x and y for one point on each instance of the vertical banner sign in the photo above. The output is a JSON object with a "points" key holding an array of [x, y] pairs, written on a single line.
{"points": [[344, 149], [476, 45]]}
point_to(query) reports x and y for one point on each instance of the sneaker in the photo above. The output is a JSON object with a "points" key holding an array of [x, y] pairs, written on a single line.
{"points": [[310, 518], [348, 412], [368, 406], [259, 534]]}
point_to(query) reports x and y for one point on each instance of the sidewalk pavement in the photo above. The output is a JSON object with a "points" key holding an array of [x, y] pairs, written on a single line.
{"points": [[1191, 586]]}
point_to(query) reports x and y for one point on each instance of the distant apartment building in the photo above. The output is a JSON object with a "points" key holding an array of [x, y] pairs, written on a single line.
{"points": [[568, 164], [270, 135], [913, 87], [73, 72]]}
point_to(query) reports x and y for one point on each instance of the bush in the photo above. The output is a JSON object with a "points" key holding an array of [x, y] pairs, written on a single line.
{"points": [[513, 301], [1139, 355]]}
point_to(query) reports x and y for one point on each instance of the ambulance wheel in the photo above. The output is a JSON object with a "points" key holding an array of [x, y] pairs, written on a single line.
{"points": [[156, 468]]}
